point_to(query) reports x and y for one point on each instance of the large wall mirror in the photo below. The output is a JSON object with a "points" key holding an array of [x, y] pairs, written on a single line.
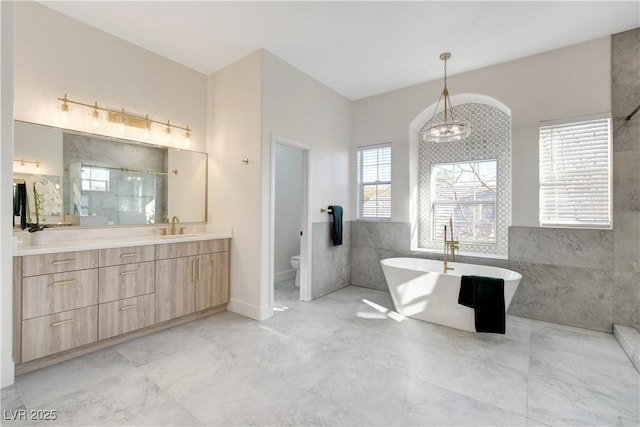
{"points": [[73, 178]]}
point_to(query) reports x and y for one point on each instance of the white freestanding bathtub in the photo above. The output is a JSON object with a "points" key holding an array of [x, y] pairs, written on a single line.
{"points": [[421, 290]]}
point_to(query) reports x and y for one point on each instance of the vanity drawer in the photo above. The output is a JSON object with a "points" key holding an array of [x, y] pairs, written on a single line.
{"points": [[46, 335], [126, 315], [182, 249], [52, 293], [33, 265], [125, 281], [129, 255]]}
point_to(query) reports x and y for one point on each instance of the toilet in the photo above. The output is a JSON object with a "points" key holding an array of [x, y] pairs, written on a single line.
{"points": [[295, 263]]}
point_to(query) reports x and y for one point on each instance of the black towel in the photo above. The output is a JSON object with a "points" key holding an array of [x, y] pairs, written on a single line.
{"points": [[336, 229], [486, 296], [20, 204]]}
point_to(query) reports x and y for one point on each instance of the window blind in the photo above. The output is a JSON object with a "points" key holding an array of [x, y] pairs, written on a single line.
{"points": [[575, 173], [374, 181]]}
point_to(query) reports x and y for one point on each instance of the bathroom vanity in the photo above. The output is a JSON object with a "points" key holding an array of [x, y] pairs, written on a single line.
{"points": [[72, 298]]}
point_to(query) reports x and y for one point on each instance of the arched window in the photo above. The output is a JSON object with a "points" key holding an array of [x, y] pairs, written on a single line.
{"points": [[467, 182]]}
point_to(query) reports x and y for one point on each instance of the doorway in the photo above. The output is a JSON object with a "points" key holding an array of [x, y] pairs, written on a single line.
{"points": [[290, 278]]}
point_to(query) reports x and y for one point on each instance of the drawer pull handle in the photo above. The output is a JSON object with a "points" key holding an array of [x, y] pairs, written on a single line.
{"points": [[197, 269], [193, 269], [63, 261], [63, 322], [64, 282], [127, 273], [129, 255], [128, 307]]}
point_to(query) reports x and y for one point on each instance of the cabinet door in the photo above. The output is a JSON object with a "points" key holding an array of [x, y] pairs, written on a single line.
{"points": [[175, 292], [212, 280]]}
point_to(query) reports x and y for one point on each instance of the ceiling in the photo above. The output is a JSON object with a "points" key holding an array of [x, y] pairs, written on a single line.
{"points": [[357, 48]]}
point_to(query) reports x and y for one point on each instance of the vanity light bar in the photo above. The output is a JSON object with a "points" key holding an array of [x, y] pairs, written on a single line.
{"points": [[121, 117], [23, 161]]}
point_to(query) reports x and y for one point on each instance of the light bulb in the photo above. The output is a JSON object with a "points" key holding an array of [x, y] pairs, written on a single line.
{"points": [[122, 123], [147, 127], [187, 137], [95, 117], [168, 132], [64, 110]]}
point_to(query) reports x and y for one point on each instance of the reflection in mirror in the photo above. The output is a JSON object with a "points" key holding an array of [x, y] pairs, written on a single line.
{"points": [[107, 181], [111, 182]]}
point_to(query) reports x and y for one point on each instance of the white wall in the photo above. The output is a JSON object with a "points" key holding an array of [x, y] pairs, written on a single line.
{"points": [[298, 107], [249, 102], [301, 109], [288, 207], [6, 157], [567, 82], [187, 189], [56, 54], [234, 114]]}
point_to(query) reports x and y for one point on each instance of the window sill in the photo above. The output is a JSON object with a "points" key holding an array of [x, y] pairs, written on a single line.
{"points": [[465, 254]]}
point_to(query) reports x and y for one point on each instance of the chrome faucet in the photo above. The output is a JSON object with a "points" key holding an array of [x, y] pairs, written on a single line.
{"points": [[173, 224]]}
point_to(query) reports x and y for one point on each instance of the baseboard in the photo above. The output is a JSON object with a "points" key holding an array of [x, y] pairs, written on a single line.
{"points": [[284, 276], [8, 374], [250, 310]]}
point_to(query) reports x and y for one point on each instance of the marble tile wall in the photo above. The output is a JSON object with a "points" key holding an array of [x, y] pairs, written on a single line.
{"points": [[625, 97], [567, 275], [331, 265], [375, 241], [371, 242]]}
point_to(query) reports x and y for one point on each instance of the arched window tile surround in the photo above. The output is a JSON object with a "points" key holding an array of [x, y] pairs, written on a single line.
{"points": [[490, 139]]}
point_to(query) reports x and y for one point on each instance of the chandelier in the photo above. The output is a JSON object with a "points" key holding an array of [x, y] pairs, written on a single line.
{"points": [[450, 129]]}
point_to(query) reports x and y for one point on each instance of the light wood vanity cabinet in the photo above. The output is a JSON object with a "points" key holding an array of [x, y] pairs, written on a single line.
{"points": [[58, 302], [186, 282], [127, 286], [91, 299]]}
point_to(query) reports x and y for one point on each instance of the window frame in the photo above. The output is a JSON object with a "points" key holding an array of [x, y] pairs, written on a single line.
{"points": [[361, 184], [91, 179], [576, 224], [456, 203]]}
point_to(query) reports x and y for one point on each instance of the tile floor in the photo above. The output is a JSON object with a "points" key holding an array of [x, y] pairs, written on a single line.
{"points": [[344, 359]]}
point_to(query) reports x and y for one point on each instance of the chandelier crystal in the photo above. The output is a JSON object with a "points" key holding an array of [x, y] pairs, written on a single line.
{"points": [[450, 129]]}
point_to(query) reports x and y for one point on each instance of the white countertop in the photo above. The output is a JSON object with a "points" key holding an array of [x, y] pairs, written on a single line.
{"points": [[119, 242]]}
